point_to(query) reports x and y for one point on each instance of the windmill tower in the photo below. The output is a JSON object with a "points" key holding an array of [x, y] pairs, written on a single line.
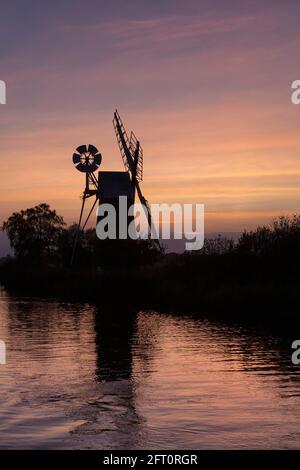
{"points": [[110, 185]]}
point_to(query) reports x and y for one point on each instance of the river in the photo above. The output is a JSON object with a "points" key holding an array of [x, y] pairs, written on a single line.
{"points": [[78, 377]]}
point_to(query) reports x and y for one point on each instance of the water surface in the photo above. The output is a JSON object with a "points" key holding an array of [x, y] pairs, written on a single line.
{"points": [[78, 377]]}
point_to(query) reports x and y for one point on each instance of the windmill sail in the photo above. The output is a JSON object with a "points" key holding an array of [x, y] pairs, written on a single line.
{"points": [[123, 142], [137, 153], [132, 155]]}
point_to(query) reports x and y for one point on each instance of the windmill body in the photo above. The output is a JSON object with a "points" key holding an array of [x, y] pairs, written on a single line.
{"points": [[113, 185]]}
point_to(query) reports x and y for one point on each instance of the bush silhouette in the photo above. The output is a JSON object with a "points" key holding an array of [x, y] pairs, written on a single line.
{"points": [[34, 233]]}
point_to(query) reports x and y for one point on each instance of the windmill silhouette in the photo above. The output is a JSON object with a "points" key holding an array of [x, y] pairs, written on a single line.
{"points": [[110, 185]]}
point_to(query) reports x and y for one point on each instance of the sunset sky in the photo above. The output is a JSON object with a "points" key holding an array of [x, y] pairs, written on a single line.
{"points": [[205, 85]]}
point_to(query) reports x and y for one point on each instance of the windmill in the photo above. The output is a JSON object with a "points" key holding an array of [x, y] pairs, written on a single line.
{"points": [[110, 185]]}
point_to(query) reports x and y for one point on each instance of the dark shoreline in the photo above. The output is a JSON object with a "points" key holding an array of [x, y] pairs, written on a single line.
{"points": [[228, 288]]}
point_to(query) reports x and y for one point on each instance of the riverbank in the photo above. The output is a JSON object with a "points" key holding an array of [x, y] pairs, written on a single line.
{"points": [[247, 288]]}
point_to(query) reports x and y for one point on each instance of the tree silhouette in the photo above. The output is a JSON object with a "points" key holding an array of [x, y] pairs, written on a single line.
{"points": [[280, 238], [34, 233]]}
